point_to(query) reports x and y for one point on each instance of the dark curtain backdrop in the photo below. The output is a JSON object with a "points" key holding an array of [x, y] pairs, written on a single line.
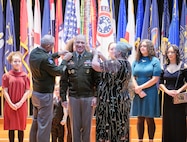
{"points": [[16, 9]]}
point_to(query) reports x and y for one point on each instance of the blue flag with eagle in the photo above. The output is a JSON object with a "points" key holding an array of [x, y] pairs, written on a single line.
{"points": [[174, 26], [183, 35], [10, 42]]}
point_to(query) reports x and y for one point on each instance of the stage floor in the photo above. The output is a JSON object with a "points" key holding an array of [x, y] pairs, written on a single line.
{"points": [[133, 132]]}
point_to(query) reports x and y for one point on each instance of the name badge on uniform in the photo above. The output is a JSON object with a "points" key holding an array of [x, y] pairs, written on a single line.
{"points": [[87, 63], [88, 71]]}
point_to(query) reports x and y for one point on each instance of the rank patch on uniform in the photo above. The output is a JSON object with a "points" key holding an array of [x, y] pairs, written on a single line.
{"points": [[50, 61]]}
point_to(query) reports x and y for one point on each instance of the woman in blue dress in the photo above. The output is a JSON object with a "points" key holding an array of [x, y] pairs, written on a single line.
{"points": [[174, 117], [146, 72], [113, 101]]}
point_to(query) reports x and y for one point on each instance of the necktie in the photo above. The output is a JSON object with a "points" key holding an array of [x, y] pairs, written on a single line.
{"points": [[79, 58]]}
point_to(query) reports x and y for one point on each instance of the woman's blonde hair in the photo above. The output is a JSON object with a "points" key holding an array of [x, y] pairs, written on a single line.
{"points": [[16, 53]]}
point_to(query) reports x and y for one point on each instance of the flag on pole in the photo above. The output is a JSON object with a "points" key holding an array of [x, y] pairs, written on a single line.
{"points": [[10, 44], [130, 30], [139, 22], [174, 26], [37, 24], [30, 26], [46, 23], [104, 28], [146, 21], [86, 19], [122, 20], [59, 44], [24, 35], [82, 17], [164, 31], [77, 13], [93, 29], [183, 35], [2, 42], [59, 27], [70, 21], [155, 31], [112, 10], [52, 17]]}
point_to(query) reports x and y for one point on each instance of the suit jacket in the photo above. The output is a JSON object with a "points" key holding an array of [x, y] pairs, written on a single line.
{"points": [[79, 78]]}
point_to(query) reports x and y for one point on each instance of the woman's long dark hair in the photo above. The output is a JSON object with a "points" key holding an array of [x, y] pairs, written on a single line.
{"points": [[176, 50], [150, 49]]}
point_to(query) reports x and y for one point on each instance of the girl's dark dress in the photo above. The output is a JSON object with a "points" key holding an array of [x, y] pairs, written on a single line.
{"points": [[112, 112], [174, 117]]}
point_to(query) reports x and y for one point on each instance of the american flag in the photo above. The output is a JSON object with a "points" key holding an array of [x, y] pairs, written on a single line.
{"points": [[70, 21]]}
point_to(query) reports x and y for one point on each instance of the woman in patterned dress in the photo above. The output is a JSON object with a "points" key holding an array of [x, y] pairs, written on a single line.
{"points": [[16, 88], [113, 101], [146, 72]]}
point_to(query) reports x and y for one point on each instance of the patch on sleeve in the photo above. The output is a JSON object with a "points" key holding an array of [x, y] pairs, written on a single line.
{"points": [[50, 61]]}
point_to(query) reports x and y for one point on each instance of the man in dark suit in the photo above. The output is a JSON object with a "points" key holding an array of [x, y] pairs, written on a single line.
{"points": [[81, 81]]}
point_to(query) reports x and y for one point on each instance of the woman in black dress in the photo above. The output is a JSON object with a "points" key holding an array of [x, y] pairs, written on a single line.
{"points": [[174, 117]]}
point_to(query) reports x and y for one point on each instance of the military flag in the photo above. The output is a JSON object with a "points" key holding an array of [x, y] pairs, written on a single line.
{"points": [[86, 20], [82, 17], [104, 28], [93, 22]]}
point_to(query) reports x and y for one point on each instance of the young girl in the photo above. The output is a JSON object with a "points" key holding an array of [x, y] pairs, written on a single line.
{"points": [[16, 88]]}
